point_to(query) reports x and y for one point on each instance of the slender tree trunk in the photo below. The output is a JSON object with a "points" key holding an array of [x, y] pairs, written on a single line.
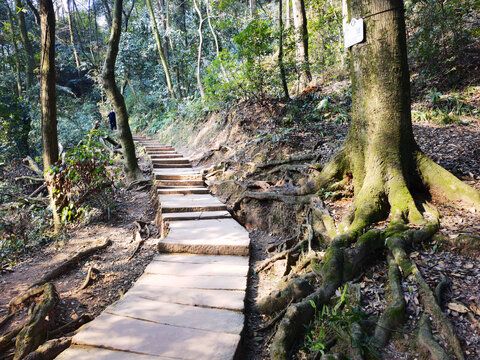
{"points": [[301, 43], [15, 50], [280, 50], [215, 38], [288, 14], [34, 11], [48, 100], [108, 12], [200, 48], [66, 8], [253, 7], [124, 134], [26, 44], [160, 49]]}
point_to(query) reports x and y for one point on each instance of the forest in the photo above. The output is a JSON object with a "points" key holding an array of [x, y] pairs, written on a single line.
{"points": [[353, 164]]}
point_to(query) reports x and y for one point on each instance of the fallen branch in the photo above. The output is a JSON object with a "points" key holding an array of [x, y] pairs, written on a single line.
{"points": [[67, 265], [31, 178], [38, 191], [91, 275], [50, 350], [33, 165]]}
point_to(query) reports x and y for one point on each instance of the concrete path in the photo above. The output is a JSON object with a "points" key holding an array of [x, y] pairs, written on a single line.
{"points": [[189, 302]]}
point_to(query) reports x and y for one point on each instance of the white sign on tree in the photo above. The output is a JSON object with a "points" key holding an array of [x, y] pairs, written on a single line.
{"points": [[353, 32]]}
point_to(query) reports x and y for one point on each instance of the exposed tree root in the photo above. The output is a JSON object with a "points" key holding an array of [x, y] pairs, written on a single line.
{"points": [[426, 340], [91, 275], [34, 332], [289, 199], [70, 263], [395, 312], [340, 264], [267, 263], [71, 326], [21, 299], [50, 349], [6, 339], [397, 242], [294, 290], [5, 320]]}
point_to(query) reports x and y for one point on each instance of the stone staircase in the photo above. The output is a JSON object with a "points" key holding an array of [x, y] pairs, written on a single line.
{"points": [[189, 302]]}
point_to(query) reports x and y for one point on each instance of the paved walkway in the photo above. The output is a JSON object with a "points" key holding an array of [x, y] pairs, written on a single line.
{"points": [[189, 302]]}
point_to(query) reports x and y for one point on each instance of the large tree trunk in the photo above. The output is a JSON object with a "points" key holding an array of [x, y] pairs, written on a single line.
{"points": [[160, 49], [30, 65], [301, 43], [124, 134], [380, 152]]}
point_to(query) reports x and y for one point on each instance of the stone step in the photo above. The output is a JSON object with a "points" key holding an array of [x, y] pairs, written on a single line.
{"points": [[178, 183], [211, 237], [190, 203], [149, 338], [166, 156], [170, 161], [184, 216], [176, 174], [158, 148], [170, 166], [182, 190], [76, 352], [194, 317], [160, 153]]}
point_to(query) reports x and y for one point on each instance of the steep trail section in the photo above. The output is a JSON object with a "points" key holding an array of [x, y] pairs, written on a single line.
{"points": [[189, 302]]}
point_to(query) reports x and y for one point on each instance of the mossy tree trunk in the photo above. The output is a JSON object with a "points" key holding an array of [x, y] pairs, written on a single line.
{"points": [[380, 151], [124, 134]]}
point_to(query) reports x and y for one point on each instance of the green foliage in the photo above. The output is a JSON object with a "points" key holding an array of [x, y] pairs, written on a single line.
{"points": [[14, 127], [83, 178], [255, 43], [439, 32], [336, 322]]}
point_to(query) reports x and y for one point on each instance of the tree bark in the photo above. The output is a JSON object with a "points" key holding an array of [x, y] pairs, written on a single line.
{"points": [[301, 43], [160, 49], [47, 89], [15, 50], [288, 14], [380, 151], [30, 65], [280, 50], [215, 38], [124, 134], [67, 10], [200, 48]]}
